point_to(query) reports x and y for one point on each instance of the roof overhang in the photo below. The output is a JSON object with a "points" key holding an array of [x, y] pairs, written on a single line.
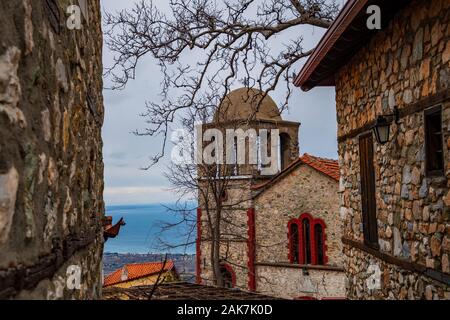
{"points": [[346, 35], [316, 163]]}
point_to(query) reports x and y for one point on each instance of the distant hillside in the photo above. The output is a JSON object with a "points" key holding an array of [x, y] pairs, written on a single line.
{"points": [[185, 264]]}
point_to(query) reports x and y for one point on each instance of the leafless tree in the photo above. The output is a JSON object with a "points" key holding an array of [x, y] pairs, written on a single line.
{"points": [[159, 279], [206, 185], [205, 47]]}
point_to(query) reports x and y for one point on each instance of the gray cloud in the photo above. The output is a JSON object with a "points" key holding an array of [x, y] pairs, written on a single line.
{"points": [[125, 153]]}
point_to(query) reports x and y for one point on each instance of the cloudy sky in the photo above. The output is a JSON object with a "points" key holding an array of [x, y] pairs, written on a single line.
{"points": [[125, 153]]}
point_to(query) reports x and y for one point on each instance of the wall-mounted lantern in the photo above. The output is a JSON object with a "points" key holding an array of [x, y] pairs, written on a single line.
{"points": [[383, 125]]}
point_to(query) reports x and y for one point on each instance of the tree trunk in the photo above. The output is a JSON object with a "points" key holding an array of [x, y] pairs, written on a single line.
{"points": [[216, 251]]}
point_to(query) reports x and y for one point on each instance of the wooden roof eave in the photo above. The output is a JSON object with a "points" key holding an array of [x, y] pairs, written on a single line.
{"points": [[347, 34]]}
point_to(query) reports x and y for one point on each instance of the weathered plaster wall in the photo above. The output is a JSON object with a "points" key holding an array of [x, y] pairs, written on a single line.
{"points": [[290, 283], [51, 168], [403, 64]]}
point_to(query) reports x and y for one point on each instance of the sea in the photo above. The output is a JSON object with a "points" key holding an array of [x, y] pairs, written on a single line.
{"points": [[143, 231]]}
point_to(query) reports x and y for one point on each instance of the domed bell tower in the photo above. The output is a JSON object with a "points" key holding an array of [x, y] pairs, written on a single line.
{"points": [[257, 141], [256, 144]]}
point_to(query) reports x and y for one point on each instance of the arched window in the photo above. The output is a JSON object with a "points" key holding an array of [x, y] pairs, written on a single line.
{"points": [[236, 158], [258, 152], [228, 276], [294, 249], [319, 243], [284, 149], [224, 196], [306, 240]]}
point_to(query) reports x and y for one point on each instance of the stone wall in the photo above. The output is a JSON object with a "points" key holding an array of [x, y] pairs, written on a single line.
{"points": [[396, 283], [234, 254], [303, 190], [404, 64], [51, 168]]}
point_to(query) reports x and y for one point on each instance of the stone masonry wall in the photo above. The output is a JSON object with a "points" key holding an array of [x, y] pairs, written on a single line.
{"points": [[233, 253], [51, 168], [403, 64], [303, 190]]}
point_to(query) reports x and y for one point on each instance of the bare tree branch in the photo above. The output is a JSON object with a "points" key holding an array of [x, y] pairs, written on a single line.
{"points": [[204, 48]]}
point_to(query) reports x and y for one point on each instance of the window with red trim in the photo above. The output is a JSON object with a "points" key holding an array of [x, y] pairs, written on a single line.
{"points": [[228, 275], [306, 238], [318, 241], [306, 241], [294, 243]]}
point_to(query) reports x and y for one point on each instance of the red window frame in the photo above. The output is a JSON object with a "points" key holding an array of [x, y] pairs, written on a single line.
{"points": [[229, 269], [306, 216], [312, 239], [291, 253], [315, 255]]}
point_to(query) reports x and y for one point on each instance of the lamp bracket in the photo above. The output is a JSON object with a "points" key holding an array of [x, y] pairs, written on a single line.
{"points": [[394, 116]]}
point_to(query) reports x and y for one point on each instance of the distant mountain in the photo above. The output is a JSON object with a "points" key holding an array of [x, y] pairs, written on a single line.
{"points": [[185, 263]]}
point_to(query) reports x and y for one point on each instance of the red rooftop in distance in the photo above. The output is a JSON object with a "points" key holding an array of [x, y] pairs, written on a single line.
{"points": [[137, 270]]}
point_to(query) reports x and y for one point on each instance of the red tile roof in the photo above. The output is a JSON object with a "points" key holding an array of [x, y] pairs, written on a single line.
{"points": [[329, 167], [135, 271]]}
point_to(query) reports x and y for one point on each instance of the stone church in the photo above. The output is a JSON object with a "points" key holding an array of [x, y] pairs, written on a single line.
{"points": [[280, 233]]}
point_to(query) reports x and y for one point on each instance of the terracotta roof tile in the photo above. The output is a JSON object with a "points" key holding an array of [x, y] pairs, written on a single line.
{"points": [[329, 167], [135, 271]]}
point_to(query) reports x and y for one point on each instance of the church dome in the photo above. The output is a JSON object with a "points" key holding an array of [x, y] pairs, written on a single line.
{"points": [[240, 104]]}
